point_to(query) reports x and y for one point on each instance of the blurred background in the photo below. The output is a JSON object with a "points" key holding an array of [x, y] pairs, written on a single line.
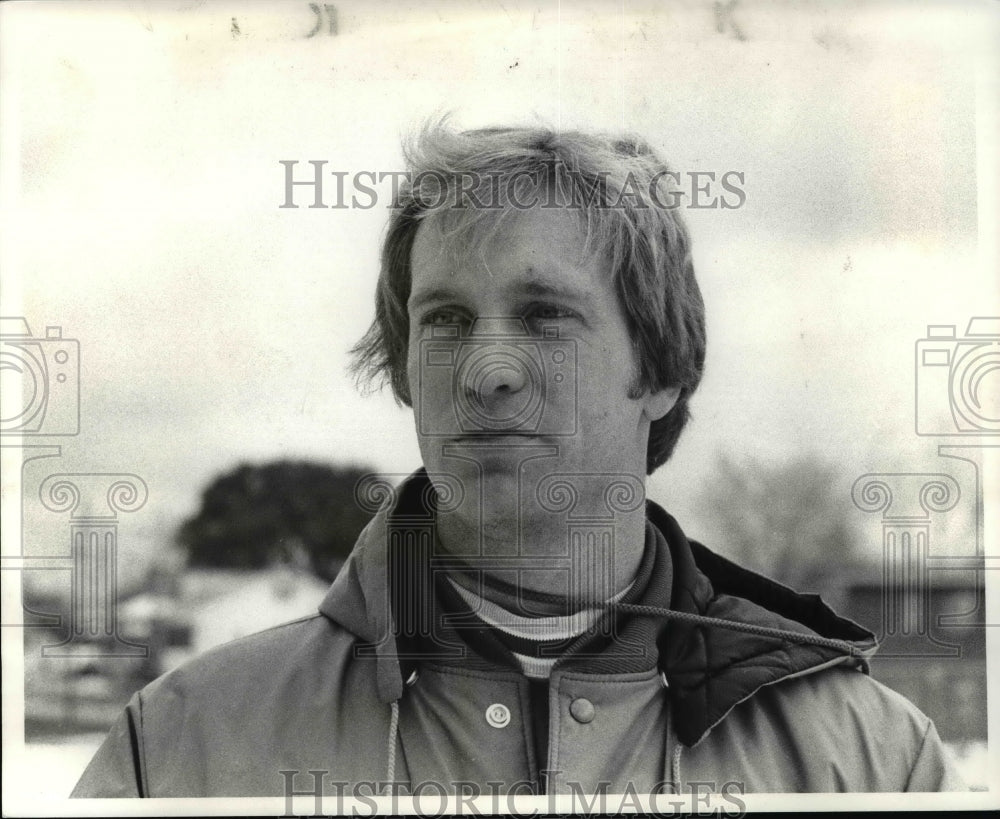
{"points": [[208, 328]]}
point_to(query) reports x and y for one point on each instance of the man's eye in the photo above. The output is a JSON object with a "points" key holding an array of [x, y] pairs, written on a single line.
{"points": [[443, 317], [548, 312]]}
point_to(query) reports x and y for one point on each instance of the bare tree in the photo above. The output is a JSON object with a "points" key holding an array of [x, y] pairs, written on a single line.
{"points": [[791, 521]]}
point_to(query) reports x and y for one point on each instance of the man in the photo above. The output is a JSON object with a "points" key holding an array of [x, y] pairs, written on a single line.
{"points": [[517, 616]]}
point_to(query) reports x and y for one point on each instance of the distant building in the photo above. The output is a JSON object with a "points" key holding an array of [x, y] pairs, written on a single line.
{"points": [[208, 607], [932, 643]]}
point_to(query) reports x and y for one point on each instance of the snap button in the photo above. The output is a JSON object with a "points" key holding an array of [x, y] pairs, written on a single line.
{"points": [[498, 715], [582, 710]]}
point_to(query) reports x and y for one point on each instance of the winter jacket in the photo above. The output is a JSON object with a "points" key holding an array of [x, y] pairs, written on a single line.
{"points": [[748, 686]]}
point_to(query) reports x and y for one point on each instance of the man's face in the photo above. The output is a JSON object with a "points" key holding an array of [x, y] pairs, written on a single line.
{"points": [[520, 360]]}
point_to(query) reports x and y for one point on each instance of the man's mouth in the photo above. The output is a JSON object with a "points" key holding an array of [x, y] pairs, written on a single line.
{"points": [[495, 438]]}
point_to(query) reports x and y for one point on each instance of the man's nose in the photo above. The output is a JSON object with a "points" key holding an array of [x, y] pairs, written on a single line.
{"points": [[497, 372]]}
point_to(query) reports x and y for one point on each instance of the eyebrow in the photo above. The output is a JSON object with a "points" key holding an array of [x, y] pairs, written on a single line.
{"points": [[438, 294], [534, 287], [528, 285]]}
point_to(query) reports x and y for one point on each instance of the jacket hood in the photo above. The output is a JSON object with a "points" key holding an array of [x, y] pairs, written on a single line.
{"points": [[359, 601], [728, 633]]}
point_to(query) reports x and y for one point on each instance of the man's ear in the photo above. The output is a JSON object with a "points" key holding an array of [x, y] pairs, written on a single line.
{"points": [[657, 404]]}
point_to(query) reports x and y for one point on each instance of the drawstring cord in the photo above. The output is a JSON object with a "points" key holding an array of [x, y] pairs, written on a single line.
{"points": [[390, 772], [390, 768], [734, 625], [675, 755]]}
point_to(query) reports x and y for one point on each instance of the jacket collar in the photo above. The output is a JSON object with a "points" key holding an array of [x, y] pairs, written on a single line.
{"points": [[710, 670]]}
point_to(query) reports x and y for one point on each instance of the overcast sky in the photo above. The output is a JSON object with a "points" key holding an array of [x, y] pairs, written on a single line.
{"points": [[141, 150]]}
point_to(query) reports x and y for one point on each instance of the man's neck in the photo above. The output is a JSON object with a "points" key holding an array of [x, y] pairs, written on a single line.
{"points": [[577, 562]]}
